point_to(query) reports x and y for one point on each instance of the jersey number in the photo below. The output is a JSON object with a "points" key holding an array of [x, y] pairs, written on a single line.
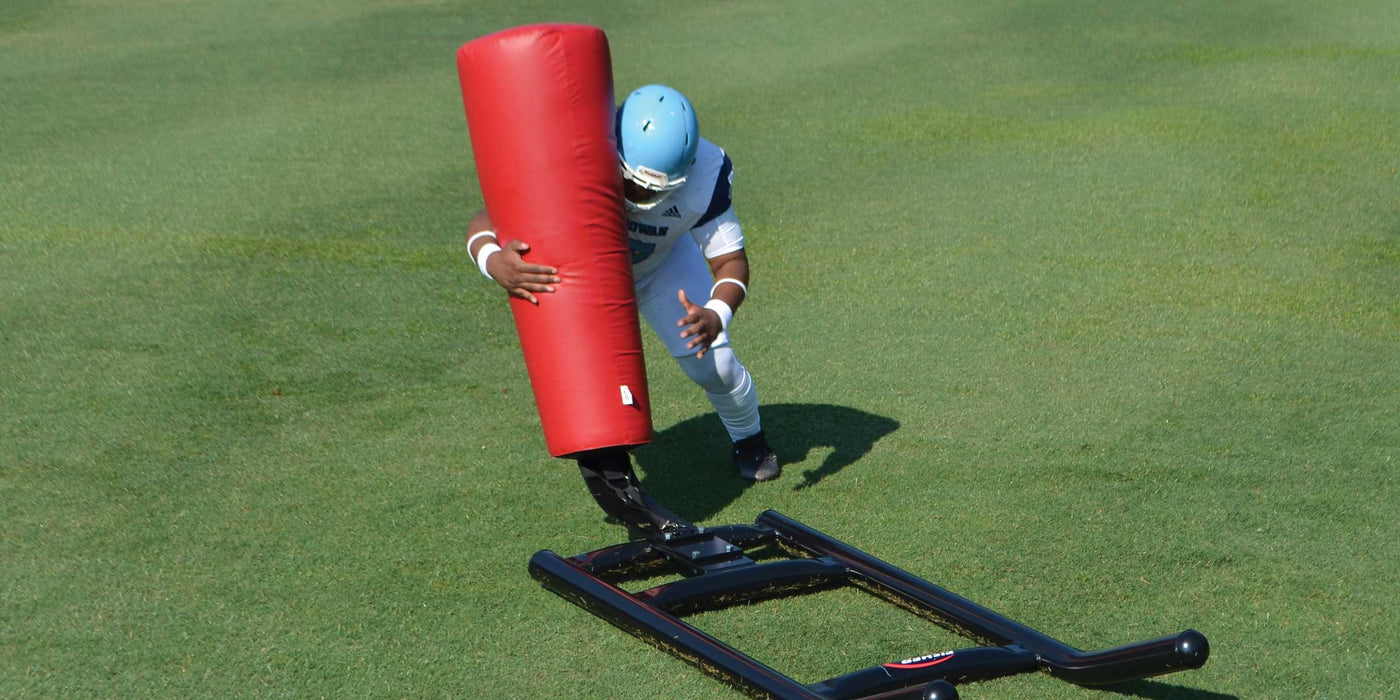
{"points": [[641, 250]]}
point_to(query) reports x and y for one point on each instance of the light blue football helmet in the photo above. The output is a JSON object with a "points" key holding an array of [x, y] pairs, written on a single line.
{"points": [[657, 136]]}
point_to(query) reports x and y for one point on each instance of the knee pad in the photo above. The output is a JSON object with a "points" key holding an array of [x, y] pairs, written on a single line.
{"points": [[729, 388], [718, 372]]}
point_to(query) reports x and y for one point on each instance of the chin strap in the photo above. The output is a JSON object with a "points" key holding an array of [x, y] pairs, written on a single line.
{"points": [[619, 492], [646, 206]]}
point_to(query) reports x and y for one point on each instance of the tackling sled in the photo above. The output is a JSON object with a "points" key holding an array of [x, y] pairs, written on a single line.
{"points": [[718, 573]]}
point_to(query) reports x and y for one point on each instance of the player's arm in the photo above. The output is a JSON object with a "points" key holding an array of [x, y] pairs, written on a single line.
{"points": [[721, 238], [507, 265], [729, 269], [702, 324]]}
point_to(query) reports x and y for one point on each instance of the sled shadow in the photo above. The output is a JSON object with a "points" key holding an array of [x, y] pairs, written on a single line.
{"points": [[688, 466], [1157, 690]]}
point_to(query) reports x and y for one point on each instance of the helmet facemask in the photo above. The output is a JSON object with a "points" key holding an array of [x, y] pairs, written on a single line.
{"points": [[652, 182]]}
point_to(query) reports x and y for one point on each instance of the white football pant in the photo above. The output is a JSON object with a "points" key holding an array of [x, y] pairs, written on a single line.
{"points": [[726, 382]]}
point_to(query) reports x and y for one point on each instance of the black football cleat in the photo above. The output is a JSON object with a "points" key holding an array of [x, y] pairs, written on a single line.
{"points": [[755, 460]]}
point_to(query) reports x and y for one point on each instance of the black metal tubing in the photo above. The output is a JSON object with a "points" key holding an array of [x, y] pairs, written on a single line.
{"points": [[719, 574], [1186, 650], [910, 676], [662, 629], [745, 585]]}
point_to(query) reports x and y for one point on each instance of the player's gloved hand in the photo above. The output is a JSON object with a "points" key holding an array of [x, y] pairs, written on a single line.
{"points": [[701, 323], [509, 269]]}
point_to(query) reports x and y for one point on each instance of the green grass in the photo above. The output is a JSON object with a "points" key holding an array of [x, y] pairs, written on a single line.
{"points": [[1086, 310]]}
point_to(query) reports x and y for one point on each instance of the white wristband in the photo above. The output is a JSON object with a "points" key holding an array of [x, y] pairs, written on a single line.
{"points": [[726, 314], [479, 234], [482, 256], [730, 280]]}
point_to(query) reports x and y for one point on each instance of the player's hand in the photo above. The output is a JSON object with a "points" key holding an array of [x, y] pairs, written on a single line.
{"points": [[518, 277], [702, 325]]}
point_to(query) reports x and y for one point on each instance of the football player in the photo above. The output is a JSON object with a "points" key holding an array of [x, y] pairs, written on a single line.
{"points": [[688, 259]]}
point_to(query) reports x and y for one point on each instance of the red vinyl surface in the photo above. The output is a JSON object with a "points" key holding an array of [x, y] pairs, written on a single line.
{"points": [[539, 103]]}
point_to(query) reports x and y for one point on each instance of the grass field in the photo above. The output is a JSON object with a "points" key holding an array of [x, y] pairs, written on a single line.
{"points": [[1086, 310]]}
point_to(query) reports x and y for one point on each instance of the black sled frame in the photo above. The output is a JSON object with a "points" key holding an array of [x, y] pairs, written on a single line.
{"points": [[720, 574]]}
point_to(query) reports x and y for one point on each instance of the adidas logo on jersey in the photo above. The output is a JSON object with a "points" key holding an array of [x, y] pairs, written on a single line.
{"points": [[674, 212]]}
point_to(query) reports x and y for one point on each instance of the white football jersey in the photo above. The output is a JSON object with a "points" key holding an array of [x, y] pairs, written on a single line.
{"points": [[702, 208]]}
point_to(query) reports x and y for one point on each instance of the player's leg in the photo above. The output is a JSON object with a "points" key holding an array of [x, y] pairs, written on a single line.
{"points": [[731, 391], [727, 383], [729, 387]]}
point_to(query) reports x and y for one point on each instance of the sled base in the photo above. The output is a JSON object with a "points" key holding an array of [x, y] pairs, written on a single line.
{"points": [[719, 573]]}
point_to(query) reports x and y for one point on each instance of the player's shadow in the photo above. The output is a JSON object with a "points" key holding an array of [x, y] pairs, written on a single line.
{"points": [[688, 467]]}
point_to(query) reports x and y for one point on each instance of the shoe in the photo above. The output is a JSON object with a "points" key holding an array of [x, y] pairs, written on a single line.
{"points": [[755, 460]]}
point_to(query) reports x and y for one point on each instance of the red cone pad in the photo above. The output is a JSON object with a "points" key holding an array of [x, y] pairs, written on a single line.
{"points": [[539, 103]]}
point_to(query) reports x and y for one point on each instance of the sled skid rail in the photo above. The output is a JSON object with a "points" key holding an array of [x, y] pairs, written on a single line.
{"points": [[718, 573]]}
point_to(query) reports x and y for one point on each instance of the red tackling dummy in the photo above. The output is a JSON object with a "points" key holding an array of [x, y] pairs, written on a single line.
{"points": [[540, 110]]}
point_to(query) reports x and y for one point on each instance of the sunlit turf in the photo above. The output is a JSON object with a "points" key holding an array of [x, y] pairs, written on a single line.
{"points": [[1084, 310]]}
